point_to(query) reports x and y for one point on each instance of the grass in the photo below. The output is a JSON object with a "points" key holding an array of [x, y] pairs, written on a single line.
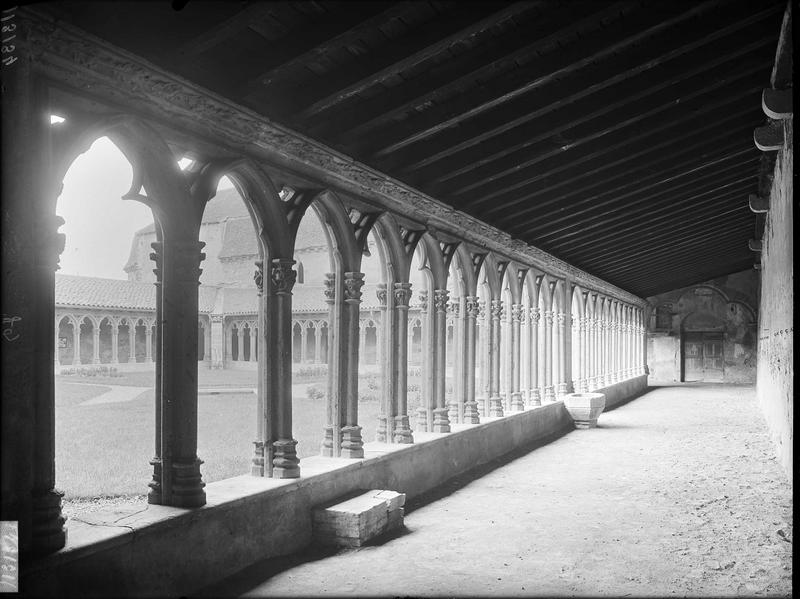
{"points": [[103, 450]]}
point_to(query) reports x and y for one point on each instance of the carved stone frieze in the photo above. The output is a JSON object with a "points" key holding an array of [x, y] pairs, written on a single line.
{"points": [[81, 61]]}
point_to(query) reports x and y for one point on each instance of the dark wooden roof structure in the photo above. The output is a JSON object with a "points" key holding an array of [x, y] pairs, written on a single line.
{"points": [[617, 136]]}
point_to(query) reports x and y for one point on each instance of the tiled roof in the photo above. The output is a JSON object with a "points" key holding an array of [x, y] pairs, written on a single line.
{"points": [[94, 292], [239, 239], [226, 204]]}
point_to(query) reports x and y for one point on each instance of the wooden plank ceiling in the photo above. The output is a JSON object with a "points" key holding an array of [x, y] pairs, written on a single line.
{"points": [[614, 135]]}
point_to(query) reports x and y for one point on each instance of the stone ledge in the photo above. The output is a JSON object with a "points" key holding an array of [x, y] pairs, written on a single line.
{"points": [[355, 520], [161, 550]]}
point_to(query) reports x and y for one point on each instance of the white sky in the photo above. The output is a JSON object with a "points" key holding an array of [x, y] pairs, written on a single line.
{"points": [[99, 224]]}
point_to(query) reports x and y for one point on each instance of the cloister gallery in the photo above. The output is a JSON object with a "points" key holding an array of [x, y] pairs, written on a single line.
{"points": [[517, 258]]}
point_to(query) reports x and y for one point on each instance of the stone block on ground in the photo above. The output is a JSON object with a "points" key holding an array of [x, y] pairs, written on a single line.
{"points": [[353, 521]]}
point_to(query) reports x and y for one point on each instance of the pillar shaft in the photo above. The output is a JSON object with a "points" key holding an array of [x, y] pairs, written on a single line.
{"points": [[441, 422], [470, 415], [549, 391], [285, 463], [495, 401], [331, 442], [386, 355], [514, 367], [131, 341], [261, 464], [399, 371], [352, 444], [182, 484], [534, 396], [155, 494], [425, 410]]}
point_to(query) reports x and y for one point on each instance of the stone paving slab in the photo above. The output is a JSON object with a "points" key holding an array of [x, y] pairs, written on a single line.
{"points": [[677, 493]]}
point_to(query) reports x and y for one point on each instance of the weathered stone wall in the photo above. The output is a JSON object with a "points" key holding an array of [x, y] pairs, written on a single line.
{"points": [[726, 305], [775, 387]]}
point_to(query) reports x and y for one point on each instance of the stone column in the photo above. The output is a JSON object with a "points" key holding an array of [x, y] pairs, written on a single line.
{"points": [[148, 350], [155, 494], [31, 248], [285, 463], [131, 341], [563, 331], [217, 343], [352, 444], [331, 442], [441, 422], [261, 464], [484, 357], [115, 340], [95, 344], [424, 411], [56, 350], [76, 343], [457, 405], [385, 429], [471, 415], [579, 381], [317, 342], [517, 403], [534, 397], [399, 371], [612, 327], [495, 401], [182, 484], [549, 390], [240, 342]]}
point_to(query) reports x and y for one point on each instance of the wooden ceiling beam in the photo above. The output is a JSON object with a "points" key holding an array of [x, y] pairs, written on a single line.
{"points": [[631, 240], [606, 148], [498, 56], [720, 136], [593, 47], [484, 145], [353, 19], [653, 69], [646, 208], [362, 79], [693, 178], [661, 113]]}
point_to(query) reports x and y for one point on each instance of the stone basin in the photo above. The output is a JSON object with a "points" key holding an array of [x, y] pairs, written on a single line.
{"points": [[585, 408]]}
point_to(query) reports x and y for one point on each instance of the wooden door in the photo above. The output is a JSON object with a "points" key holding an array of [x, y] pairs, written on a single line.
{"points": [[702, 357]]}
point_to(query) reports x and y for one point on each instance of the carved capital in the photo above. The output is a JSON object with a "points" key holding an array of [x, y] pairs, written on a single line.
{"points": [[156, 256], [561, 319], [283, 275], [481, 309], [440, 298], [423, 301], [535, 316], [454, 307], [516, 312], [258, 275], [496, 309], [381, 293], [402, 295], [353, 282], [53, 242], [330, 287], [217, 318], [186, 259], [471, 306], [548, 318]]}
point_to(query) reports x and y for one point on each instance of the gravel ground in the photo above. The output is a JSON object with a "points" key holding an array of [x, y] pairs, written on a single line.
{"points": [[677, 493]]}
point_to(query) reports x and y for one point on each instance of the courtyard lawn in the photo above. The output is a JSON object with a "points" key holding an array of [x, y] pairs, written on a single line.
{"points": [[104, 449]]}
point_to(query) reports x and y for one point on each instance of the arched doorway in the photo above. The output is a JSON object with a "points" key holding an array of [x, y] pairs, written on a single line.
{"points": [[702, 358]]}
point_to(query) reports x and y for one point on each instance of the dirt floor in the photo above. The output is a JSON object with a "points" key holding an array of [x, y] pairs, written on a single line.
{"points": [[676, 493]]}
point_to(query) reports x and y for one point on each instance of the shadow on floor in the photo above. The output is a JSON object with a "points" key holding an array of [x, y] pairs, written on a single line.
{"points": [[243, 581]]}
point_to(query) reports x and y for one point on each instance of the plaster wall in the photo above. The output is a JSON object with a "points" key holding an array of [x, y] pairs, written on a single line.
{"points": [[775, 387], [166, 551], [726, 305]]}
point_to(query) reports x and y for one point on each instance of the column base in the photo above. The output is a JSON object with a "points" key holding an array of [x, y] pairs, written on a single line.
{"points": [[422, 420], [155, 496], [402, 430], [352, 444], [452, 411], [187, 484], [471, 415], [441, 423], [285, 463], [382, 434], [517, 403], [534, 399], [47, 524], [495, 406], [327, 442], [257, 463], [549, 394]]}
